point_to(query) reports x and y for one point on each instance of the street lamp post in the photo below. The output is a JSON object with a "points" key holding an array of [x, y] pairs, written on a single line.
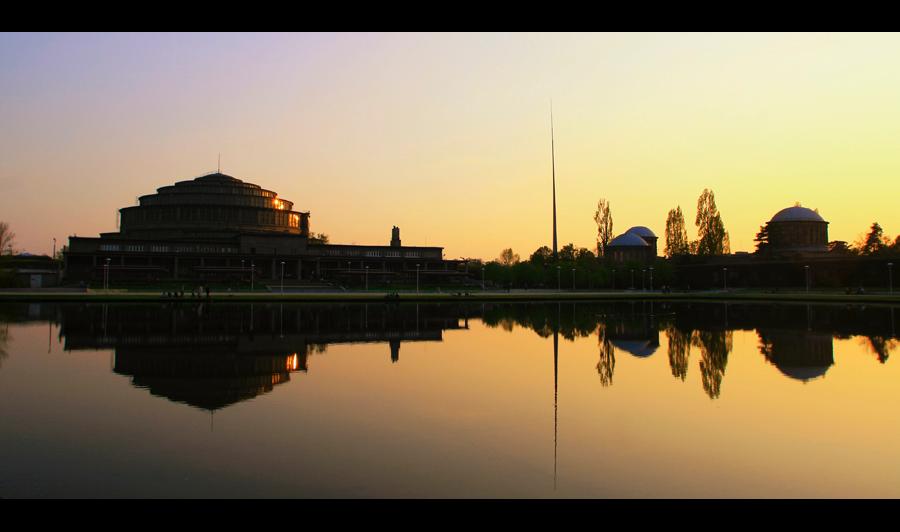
{"points": [[558, 278], [282, 277], [367, 278], [613, 278], [252, 269], [806, 273], [54, 250], [643, 273], [891, 277], [651, 278], [417, 278], [632, 278], [573, 279], [482, 277], [725, 278], [106, 275]]}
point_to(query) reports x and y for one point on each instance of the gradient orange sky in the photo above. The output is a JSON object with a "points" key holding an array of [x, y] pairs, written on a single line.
{"points": [[447, 135]]}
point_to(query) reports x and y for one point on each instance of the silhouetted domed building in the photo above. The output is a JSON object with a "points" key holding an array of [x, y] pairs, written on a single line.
{"points": [[797, 230], [630, 247], [646, 234], [217, 227]]}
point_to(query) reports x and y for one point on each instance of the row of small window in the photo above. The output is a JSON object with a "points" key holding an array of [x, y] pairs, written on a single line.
{"points": [[167, 249], [373, 253]]}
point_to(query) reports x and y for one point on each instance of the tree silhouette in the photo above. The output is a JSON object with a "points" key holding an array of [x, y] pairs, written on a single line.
{"points": [[712, 237], [508, 258], [7, 238], [603, 218], [318, 238], [676, 234], [874, 241], [762, 239], [541, 256]]}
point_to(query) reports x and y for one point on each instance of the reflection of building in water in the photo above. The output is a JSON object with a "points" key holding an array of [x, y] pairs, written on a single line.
{"points": [[802, 355], [212, 356], [208, 379], [636, 333]]}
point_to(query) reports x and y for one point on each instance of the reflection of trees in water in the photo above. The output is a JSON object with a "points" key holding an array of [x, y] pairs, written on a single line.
{"points": [[570, 321], [679, 351], [881, 346], [4, 339], [316, 348], [607, 363], [714, 348]]}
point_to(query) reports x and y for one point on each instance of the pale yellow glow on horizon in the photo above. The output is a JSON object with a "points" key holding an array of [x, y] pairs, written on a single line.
{"points": [[447, 135]]}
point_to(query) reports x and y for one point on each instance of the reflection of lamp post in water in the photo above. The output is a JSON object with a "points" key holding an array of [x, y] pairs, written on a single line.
{"points": [[890, 266]]}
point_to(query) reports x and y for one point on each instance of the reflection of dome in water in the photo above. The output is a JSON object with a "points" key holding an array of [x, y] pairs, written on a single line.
{"points": [[803, 373], [801, 355], [206, 380], [638, 348]]}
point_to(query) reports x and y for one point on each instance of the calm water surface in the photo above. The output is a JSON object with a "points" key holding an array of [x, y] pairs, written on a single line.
{"points": [[633, 399]]}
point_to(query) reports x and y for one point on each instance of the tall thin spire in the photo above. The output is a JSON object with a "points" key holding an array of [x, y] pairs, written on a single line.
{"points": [[219, 164], [553, 164]]}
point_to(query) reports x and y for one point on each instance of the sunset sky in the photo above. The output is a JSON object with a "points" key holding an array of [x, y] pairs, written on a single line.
{"points": [[447, 135]]}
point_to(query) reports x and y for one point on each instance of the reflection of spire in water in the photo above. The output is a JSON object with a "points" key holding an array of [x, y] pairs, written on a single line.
{"points": [[555, 390], [395, 350]]}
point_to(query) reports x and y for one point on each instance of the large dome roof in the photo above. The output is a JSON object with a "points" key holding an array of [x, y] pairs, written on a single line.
{"points": [[641, 231], [797, 214], [628, 240], [211, 204]]}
